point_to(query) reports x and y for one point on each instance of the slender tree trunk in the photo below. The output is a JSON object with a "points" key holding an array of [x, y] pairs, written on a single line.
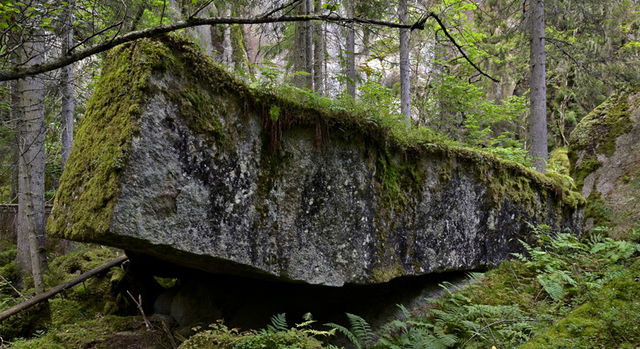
{"points": [[308, 42], [67, 91], [405, 69], [318, 51], [301, 52], [31, 159], [227, 50], [351, 51], [538, 95]]}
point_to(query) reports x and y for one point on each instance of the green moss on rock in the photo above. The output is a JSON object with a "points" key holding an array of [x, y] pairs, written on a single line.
{"points": [[597, 134], [90, 183], [209, 98]]}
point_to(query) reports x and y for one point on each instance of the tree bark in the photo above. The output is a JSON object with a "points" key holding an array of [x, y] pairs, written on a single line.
{"points": [[31, 131], [318, 51], [301, 55], [227, 50], [538, 95], [308, 43], [405, 69], [66, 78], [351, 52]]}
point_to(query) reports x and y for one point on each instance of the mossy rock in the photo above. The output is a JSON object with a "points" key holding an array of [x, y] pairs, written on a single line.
{"points": [[604, 150], [177, 159]]}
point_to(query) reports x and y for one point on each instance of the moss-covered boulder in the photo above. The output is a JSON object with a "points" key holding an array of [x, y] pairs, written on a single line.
{"points": [[178, 160], [605, 156]]}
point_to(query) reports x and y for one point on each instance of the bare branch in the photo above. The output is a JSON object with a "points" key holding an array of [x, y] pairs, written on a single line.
{"points": [[453, 41], [59, 62]]}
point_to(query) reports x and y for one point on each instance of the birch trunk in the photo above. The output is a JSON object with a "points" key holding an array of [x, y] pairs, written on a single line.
{"points": [[538, 95], [405, 70]]}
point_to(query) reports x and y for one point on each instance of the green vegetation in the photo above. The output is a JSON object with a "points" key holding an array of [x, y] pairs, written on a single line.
{"points": [[276, 336], [69, 318]]}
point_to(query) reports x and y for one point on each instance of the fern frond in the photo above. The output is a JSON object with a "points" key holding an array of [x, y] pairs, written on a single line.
{"points": [[361, 329], [347, 333], [278, 323]]}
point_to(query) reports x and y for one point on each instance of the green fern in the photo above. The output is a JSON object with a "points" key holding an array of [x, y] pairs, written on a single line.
{"points": [[278, 323], [359, 333]]}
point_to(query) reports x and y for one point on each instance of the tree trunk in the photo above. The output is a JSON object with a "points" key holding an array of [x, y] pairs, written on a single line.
{"points": [[405, 69], [66, 78], [301, 57], [351, 51], [31, 133], [308, 42], [227, 50], [538, 95], [318, 51]]}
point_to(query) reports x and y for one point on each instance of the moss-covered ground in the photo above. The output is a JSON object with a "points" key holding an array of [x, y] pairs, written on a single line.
{"points": [[80, 317]]}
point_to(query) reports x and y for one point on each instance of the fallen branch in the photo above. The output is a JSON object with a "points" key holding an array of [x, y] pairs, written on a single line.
{"points": [[52, 292]]}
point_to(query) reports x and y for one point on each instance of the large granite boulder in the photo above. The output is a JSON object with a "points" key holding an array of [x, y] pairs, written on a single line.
{"points": [[177, 160], [605, 156]]}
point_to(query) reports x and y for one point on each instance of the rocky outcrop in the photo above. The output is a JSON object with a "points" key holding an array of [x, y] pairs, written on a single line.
{"points": [[605, 156], [177, 160]]}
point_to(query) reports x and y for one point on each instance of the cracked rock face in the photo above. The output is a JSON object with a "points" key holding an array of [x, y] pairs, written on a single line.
{"points": [[346, 210]]}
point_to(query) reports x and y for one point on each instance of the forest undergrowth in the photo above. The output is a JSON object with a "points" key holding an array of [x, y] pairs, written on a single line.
{"points": [[563, 292]]}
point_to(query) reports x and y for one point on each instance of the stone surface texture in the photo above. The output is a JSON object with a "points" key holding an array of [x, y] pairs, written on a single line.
{"points": [[605, 152], [349, 209]]}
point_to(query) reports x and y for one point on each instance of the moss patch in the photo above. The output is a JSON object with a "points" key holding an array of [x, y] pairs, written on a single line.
{"points": [[90, 182], [597, 134], [102, 332], [610, 320]]}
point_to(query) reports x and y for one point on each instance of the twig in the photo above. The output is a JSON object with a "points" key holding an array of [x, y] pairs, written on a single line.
{"points": [[14, 289], [200, 9], [278, 9], [92, 36], [61, 61], [453, 41], [139, 306], [174, 345]]}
